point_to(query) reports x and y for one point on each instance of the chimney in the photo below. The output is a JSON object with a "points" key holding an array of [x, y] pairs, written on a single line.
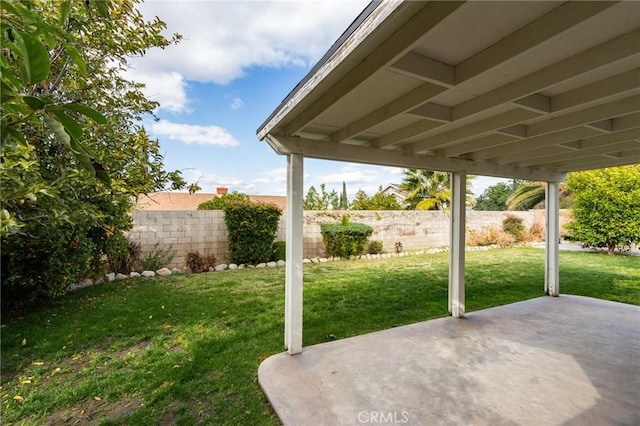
{"points": [[222, 190]]}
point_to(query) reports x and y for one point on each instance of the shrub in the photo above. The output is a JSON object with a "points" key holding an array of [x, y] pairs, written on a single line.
{"points": [[209, 260], [344, 240], [158, 258], [43, 263], [606, 211], [197, 263], [489, 236], [375, 247], [514, 226], [222, 201], [535, 233], [122, 255], [252, 228], [279, 251]]}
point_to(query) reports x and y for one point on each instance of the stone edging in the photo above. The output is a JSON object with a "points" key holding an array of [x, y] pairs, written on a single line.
{"points": [[232, 266]]}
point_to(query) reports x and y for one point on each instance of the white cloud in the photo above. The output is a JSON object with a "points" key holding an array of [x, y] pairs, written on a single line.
{"points": [[223, 39], [396, 171], [167, 88], [278, 175], [209, 182], [350, 175], [236, 103], [193, 134]]}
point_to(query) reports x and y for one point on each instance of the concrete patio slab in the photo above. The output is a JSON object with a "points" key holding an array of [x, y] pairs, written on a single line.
{"points": [[548, 361]]}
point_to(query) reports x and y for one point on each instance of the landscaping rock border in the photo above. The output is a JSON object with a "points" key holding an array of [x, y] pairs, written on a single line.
{"points": [[280, 263]]}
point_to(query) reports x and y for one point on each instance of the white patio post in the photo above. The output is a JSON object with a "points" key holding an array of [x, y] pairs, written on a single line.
{"points": [[552, 258], [457, 242], [293, 280]]}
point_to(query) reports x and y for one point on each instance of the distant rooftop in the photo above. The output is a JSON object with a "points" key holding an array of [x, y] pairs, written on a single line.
{"points": [[186, 201]]}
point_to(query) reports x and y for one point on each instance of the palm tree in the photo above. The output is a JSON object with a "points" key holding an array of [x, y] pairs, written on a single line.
{"points": [[530, 194], [429, 190]]}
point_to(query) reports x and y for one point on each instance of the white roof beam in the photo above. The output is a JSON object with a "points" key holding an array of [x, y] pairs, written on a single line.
{"points": [[484, 142], [394, 47], [628, 121], [394, 108], [627, 82], [583, 153], [590, 115], [433, 112], [423, 68], [534, 102], [519, 131], [604, 54], [479, 128], [572, 145], [624, 154], [546, 151], [594, 162], [540, 30], [366, 155], [406, 132], [539, 141], [604, 125]]}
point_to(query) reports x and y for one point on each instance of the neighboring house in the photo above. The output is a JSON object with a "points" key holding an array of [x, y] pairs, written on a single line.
{"points": [[394, 189], [186, 201]]}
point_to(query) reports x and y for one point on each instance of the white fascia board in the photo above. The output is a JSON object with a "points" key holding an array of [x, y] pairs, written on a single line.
{"points": [[369, 25], [366, 155]]}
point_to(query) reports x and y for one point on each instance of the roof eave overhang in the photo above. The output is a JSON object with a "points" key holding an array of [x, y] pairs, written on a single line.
{"points": [[556, 91], [285, 145]]}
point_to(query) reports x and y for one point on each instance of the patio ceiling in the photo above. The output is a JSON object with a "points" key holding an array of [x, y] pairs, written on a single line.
{"points": [[527, 90]]}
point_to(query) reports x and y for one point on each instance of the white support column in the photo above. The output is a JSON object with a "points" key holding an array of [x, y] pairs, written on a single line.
{"points": [[293, 280], [457, 243], [552, 257]]}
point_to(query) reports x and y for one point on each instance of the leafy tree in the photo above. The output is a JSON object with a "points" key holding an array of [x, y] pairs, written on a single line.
{"points": [[224, 200], [343, 203], [606, 210], [69, 172], [429, 190], [529, 194], [311, 200], [380, 201], [321, 201], [494, 198]]}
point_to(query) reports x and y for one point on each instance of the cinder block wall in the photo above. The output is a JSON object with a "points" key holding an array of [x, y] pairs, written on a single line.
{"points": [[201, 230], [205, 231]]}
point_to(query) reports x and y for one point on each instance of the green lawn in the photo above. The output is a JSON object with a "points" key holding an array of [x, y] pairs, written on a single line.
{"points": [[186, 349]]}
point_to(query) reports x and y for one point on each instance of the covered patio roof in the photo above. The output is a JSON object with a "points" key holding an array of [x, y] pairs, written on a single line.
{"points": [[528, 90]]}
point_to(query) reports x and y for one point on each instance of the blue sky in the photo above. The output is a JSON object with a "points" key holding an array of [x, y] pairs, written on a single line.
{"points": [[236, 63]]}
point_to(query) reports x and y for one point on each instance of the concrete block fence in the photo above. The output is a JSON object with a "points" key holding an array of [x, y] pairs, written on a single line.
{"points": [[206, 232]]}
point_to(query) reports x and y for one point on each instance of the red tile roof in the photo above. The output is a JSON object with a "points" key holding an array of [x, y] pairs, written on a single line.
{"points": [[186, 201]]}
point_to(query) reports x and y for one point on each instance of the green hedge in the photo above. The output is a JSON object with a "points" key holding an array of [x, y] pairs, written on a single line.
{"points": [[279, 251], [345, 239], [252, 228], [221, 201], [44, 263]]}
